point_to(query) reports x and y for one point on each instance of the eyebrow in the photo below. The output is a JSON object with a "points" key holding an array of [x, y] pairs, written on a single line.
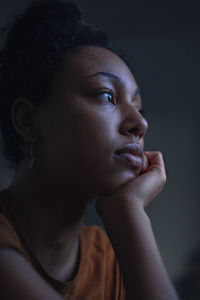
{"points": [[105, 74], [112, 76]]}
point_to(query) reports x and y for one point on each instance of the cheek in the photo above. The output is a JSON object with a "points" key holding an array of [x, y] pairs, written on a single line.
{"points": [[80, 146], [96, 138], [94, 127], [86, 136]]}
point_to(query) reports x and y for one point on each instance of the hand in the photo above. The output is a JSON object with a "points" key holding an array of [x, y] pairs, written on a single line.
{"points": [[140, 190], [130, 232]]}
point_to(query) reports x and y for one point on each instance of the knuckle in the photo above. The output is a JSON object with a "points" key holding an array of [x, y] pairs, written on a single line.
{"points": [[159, 154], [164, 178], [161, 174]]}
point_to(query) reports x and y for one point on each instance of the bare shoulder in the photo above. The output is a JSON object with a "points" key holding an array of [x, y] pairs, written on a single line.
{"points": [[20, 281]]}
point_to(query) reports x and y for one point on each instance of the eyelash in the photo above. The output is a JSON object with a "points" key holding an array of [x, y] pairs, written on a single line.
{"points": [[141, 111], [112, 101]]}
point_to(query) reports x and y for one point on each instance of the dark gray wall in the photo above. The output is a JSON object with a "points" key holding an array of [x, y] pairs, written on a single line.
{"points": [[162, 40]]}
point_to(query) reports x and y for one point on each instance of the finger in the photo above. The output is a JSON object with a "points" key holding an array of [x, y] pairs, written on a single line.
{"points": [[156, 162], [155, 158], [145, 163]]}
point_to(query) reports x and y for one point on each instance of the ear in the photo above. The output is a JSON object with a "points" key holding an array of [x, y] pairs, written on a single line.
{"points": [[24, 119]]}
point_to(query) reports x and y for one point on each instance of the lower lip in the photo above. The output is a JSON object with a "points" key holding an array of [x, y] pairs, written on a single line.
{"points": [[130, 159]]}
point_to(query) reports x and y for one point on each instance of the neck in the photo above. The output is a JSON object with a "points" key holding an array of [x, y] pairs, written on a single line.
{"points": [[51, 218]]}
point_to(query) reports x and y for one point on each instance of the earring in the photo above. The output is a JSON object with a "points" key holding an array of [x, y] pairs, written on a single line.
{"points": [[29, 155]]}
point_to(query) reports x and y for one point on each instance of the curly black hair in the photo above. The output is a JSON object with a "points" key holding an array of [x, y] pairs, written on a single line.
{"points": [[36, 45]]}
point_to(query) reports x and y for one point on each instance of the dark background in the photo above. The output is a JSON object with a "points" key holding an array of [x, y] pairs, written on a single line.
{"points": [[162, 41]]}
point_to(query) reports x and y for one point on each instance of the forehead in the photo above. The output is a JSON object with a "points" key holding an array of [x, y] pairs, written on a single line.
{"points": [[88, 60]]}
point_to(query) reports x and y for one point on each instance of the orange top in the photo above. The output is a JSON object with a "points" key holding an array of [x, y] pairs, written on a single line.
{"points": [[98, 276]]}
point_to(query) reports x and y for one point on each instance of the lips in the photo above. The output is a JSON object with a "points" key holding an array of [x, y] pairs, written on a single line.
{"points": [[131, 154]]}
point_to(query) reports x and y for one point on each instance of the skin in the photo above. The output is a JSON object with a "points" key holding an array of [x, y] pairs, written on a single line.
{"points": [[78, 130], [75, 117]]}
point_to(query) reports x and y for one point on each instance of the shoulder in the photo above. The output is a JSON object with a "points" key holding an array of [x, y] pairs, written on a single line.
{"points": [[93, 232], [98, 246], [9, 237], [97, 237], [99, 255]]}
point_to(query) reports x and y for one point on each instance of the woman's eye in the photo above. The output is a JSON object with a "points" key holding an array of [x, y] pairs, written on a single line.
{"points": [[107, 96]]}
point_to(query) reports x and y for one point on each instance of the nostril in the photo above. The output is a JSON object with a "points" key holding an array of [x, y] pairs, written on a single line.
{"points": [[134, 131], [141, 136], [137, 133], [134, 124]]}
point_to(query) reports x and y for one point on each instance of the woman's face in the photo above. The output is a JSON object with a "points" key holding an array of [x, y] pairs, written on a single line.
{"points": [[93, 111]]}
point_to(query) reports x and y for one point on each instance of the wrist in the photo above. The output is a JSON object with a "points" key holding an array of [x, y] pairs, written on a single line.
{"points": [[121, 210]]}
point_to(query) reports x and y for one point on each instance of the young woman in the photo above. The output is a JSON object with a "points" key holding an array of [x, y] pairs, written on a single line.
{"points": [[71, 122]]}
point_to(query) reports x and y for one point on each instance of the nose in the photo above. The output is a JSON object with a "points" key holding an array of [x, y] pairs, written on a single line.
{"points": [[133, 123]]}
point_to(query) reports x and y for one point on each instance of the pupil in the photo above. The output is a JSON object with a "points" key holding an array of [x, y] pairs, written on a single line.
{"points": [[109, 96]]}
